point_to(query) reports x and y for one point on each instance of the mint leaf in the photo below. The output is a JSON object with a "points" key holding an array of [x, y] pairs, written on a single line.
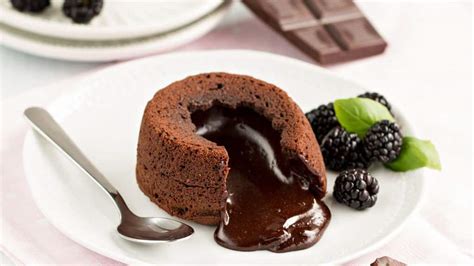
{"points": [[359, 114], [415, 154]]}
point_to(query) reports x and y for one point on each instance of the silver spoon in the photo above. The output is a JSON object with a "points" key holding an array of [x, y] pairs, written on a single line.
{"points": [[132, 227]]}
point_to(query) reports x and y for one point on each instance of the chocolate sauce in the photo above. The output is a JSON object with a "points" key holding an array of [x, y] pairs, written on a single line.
{"points": [[270, 205]]}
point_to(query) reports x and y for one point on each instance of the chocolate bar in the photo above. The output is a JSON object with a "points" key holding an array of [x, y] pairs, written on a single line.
{"points": [[330, 31], [387, 261]]}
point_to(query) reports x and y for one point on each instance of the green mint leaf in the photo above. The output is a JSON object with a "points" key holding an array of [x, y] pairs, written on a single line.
{"points": [[415, 154], [359, 114]]}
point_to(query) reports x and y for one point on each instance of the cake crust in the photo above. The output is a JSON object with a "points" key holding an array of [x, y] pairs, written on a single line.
{"points": [[185, 174]]}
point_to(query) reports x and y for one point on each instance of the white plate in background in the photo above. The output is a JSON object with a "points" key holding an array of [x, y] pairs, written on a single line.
{"points": [[97, 51], [119, 19], [102, 114]]}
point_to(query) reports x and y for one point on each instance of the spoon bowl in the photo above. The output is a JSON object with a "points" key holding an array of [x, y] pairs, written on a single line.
{"points": [[149, 230]]}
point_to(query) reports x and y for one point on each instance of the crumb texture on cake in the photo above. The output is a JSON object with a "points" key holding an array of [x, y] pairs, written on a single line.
{"points": [[184, 173]]}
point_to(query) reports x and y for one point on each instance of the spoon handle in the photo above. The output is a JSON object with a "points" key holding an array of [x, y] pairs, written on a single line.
{"points": [[44, 123]]}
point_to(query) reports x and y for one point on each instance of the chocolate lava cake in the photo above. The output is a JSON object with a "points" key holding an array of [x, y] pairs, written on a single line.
{"points": [[217, 147]]}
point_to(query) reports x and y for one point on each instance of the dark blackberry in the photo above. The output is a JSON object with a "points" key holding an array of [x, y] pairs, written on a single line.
{"points": [[356, 188], [322, 120], [378, 98], [383, 142], [360, 162], [82, 11], [341, 150], [30, 5]]}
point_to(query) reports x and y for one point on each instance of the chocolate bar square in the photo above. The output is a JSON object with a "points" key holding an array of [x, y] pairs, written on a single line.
{"points": [[287, 14], [317, 42], [324, 9], [355, 34]]}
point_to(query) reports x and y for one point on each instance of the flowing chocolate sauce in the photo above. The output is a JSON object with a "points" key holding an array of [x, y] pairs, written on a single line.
{"points": [[269, 204]]}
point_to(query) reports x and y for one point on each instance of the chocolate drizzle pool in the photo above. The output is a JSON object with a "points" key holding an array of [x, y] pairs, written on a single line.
{"points": [[270, 205]]}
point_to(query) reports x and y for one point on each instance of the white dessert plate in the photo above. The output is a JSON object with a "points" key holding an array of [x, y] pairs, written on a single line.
{"points": [[118, 19], [102, 114], [97, 51]]}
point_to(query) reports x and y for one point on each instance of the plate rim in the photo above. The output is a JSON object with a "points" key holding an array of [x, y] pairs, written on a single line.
{"points": [[25, 42], [377, 244], [81, 32]]}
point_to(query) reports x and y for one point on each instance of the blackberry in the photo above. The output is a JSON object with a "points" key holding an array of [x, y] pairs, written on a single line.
{"points": [[322, 120], [360, 162], [378, 98], [82, 11], [383, 142], [342, 150], [356, 188], [30, 5]]}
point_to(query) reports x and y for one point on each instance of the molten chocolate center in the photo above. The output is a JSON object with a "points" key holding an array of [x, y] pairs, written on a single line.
{"points": [[269, 204]]}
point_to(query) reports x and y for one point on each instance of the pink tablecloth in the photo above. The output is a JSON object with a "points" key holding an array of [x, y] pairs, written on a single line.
{"points": [[440, 233]]}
